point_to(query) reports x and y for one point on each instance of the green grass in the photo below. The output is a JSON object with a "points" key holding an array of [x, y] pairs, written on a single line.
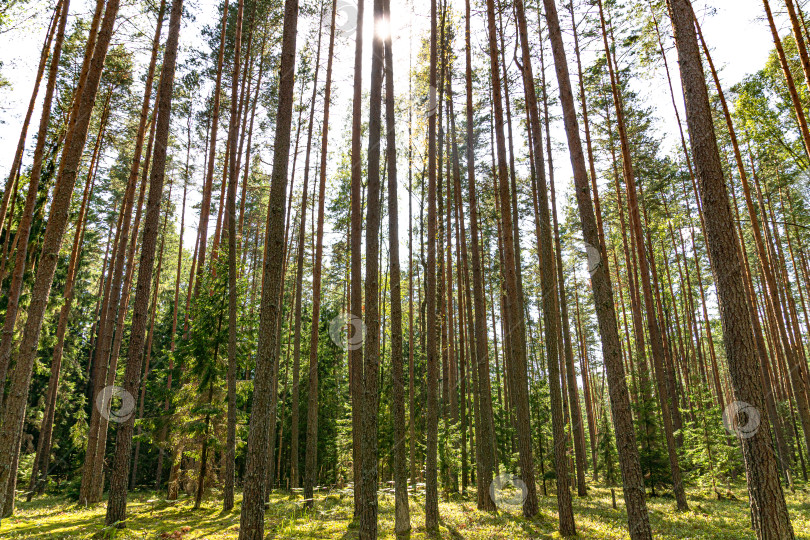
{"points": [[149, 517]]}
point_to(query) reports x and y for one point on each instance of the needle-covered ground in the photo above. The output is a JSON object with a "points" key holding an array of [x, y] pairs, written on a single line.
{"points": [[151, 517]]}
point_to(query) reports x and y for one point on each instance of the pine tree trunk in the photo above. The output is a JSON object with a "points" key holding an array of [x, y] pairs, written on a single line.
{"points": [[633, 482], [798, 108], [565, 329], [356, 292], [90, 490], [515, 312], [205, 208], [116, 505], [653, 326], [484, 422], [311, 453], [24, 227], [164, 432], [261, 434], [149, 339], [233, 180], [402, 520], [295, 481], [60, 12], [761, 349], [44, 443], [15, 403], [371, 367], [769, 514], [431, 324]]}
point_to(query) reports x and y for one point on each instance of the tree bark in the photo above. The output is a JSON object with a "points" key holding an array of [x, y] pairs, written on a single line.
{"points": [[633, 482], [356, 293], [233, 180], [769, 514], [15, 404], [515, 312], [653, 326], [484, 423], [311, 454], [116, 505], [402, 520], [24, 227], [60, 12], [431, 323], [91, 486], [205, 208], [260, 434]]}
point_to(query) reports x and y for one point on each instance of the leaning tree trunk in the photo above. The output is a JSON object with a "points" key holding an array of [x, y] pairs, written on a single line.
{"points": [[769, 515], [251, 524], [639, 524], [117, 503], [653, 325], [44, 443], [60, 12], [15, 404], [90, 489], [24, 227]]}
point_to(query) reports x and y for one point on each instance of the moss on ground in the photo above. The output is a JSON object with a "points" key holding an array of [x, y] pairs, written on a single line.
{"points": [[151, 517]]}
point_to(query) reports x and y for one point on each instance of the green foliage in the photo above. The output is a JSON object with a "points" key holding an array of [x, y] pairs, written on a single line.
{"points": [[652, 453], [710, 453], [606, 448]]}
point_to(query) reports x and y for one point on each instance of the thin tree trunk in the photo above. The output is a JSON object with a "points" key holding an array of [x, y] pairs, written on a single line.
{"points": [[565, 329], [233, 180], [356, 293], [653, 327], [514, 305], [44, 443], [311, 454], [149, 339], [484, 423], [91, 486], [432, 329], [13, 176], [24, 227], [371, 367], [205, 208]]}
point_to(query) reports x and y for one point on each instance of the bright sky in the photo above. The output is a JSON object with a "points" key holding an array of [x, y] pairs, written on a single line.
{"points": [[740, 39]]}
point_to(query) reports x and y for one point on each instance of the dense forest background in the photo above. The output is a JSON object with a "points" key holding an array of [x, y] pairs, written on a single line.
{"points": [[516, 253]]}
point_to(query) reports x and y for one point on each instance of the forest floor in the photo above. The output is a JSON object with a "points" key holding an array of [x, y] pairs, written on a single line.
{"points": [[52, 517]]}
